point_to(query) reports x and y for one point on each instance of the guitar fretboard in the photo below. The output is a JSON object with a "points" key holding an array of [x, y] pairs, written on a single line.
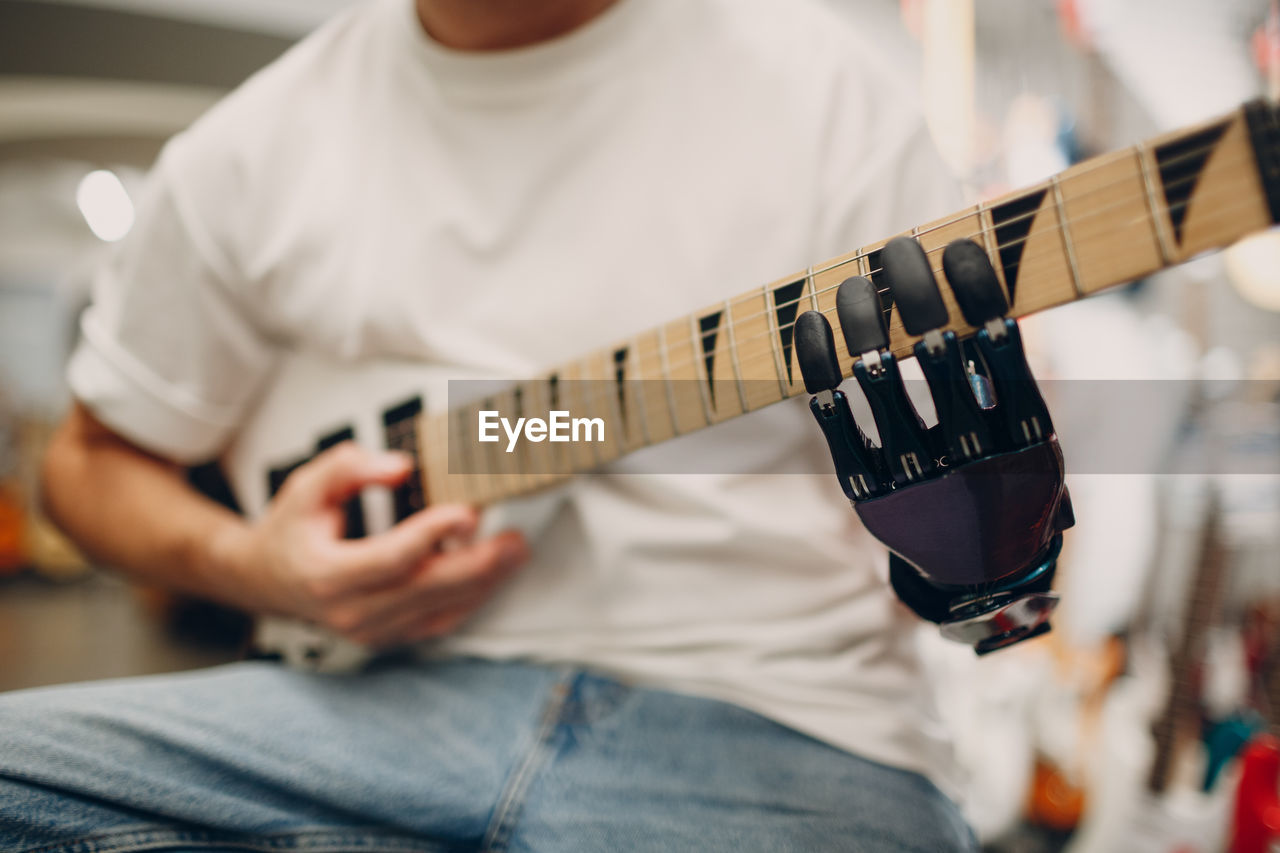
{"points": [[1101, 223]]}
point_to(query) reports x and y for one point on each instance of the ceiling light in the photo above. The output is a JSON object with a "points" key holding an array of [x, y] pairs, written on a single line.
{"points": [[105, 205]]}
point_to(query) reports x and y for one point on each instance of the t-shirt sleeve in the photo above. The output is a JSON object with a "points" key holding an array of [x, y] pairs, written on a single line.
{"points": [[170, 356]]}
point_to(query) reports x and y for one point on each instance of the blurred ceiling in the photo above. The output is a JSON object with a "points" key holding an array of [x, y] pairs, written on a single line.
{"points": [[95, 83], [111, 84], [288, 18]]}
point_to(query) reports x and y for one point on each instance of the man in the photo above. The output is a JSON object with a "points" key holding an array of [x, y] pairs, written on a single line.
{"points": [[487, 188]]}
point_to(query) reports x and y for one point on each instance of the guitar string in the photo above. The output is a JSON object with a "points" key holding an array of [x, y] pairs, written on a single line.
{"points": [[1027, 259], [595, 398], [983, 231], [1060, 225], [988, 206], [746, 341], [1147, 216], [1070, 221], [607, 394]]}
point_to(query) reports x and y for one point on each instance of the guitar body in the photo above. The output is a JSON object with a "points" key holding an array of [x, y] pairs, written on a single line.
{"points": [[380, 407]]}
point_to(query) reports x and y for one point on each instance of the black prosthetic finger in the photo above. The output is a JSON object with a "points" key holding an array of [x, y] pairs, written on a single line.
{"points": [[858, 465], [1020, 414], [903, 440], [816, 353], [915, 292], [973, 281], [961, 421], [861, 316]]}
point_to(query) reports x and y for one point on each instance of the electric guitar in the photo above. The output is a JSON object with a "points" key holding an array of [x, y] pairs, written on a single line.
{"points": [[1101, 223]]}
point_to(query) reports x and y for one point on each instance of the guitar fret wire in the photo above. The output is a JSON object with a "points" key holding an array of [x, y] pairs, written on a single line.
{"points": [[1153, 207], [733, 352], [1064, 231], [773, 332], [510, 466], [469, 461], [481, 457], [638, 373], [699, 344], [646, 389], [666, 375], [988, 242]]}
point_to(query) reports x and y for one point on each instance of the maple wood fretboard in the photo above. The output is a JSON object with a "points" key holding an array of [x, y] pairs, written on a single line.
{"points": [[1104, 222]]}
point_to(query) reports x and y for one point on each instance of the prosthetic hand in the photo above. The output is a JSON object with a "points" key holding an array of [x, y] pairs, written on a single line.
{"points": [[972, 509]]}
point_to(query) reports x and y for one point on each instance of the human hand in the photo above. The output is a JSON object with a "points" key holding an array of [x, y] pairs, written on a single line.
{"points": [[422, 578]]}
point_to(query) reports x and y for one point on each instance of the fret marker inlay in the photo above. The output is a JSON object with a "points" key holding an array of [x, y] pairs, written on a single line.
{"points": [[1013, 221], [619, 378], [708, 328], [1180, 164], [786, 305]]}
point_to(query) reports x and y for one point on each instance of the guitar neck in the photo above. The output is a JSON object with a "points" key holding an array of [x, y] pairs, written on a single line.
{"points": [[1203, 601], [1104, 222]]}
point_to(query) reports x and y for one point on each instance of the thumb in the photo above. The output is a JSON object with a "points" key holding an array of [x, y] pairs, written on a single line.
{"points": [[342, 470]]}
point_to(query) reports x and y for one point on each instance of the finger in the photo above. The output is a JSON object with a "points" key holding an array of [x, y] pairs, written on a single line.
{"points": [[457, 569], [473, 571], [442, 624], [344, 469], [421, 625], [388, 558]]}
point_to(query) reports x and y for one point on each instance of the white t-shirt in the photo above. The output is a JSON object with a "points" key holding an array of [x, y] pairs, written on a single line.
{"points": [[375, 213]]}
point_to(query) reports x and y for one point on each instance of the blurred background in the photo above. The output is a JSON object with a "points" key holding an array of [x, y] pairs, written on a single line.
{"points": [[1129, 728]]}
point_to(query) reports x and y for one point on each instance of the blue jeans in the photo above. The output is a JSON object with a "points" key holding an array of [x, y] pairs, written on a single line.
{"points": [[457, 756]]}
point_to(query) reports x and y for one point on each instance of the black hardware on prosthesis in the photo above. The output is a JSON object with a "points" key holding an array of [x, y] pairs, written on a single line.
{"points": [[972, 509]]}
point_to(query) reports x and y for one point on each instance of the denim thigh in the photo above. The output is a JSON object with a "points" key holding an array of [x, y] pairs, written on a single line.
{"points": [[402, 757], [646, 770], [450, 756]]}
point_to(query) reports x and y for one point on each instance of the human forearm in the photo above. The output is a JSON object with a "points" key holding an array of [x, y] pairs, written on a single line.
{"points": [[135, 512]]}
